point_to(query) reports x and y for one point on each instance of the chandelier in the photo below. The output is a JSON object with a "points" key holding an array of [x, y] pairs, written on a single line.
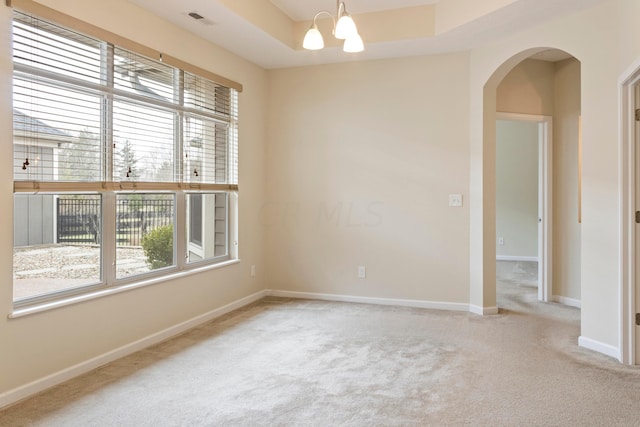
{"points": [[343, 29]]}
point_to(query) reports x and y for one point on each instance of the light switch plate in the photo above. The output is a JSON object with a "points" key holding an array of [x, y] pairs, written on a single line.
{"points": [[455, 200]]}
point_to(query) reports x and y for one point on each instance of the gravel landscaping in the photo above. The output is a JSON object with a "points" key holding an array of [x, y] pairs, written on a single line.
{"points": [[37, 270]]}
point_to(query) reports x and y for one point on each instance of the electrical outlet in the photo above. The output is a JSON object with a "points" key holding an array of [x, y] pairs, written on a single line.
{"points": [[362, 272], [253, 271], [501, 241]]}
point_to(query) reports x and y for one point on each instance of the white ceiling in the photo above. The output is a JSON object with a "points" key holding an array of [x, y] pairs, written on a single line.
{"points": [[303, 10], [237, 34]]}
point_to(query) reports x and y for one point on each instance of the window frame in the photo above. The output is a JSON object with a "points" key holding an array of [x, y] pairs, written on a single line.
{"points": [[107, 187]]}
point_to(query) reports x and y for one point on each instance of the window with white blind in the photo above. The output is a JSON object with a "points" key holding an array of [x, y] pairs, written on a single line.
{"points": [[125, 166]]}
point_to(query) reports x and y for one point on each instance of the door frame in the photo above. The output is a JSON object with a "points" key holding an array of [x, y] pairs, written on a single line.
{"points": [[545, 197], [628, 166]]}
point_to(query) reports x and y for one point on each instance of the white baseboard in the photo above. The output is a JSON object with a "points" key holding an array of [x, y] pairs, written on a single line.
{"points": [[603, 348], [483, 311], [452, 306], [516, 258], [22, 392], [571, 302]]}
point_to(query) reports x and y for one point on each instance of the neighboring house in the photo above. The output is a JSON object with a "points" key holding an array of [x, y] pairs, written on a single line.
{"points": [[34, 222]]}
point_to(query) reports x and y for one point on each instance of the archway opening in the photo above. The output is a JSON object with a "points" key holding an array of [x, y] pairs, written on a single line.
{"points": [[540, 85]]}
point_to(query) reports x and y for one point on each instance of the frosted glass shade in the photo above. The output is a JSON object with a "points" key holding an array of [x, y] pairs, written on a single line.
{"points": [[313, 39], [345, 28], [353, 44]]}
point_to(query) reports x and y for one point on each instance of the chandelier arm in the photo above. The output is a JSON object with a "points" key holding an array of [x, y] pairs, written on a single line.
{"points": [[322, 12]]}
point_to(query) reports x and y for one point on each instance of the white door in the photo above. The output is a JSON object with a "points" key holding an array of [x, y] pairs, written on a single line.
{"points": [[545, 186]]}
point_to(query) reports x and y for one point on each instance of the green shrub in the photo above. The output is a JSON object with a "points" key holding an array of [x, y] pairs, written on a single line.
{"points": [[158, 246]]}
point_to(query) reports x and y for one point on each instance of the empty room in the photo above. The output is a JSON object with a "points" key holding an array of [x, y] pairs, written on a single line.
{"points": [[277, 212]]}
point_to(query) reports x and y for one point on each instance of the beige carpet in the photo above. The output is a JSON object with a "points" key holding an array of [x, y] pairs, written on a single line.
{"points": [[287, 362]]}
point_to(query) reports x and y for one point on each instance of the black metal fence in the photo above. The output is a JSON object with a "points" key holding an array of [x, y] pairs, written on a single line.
{"points": [[135, 218], [78, 220]]}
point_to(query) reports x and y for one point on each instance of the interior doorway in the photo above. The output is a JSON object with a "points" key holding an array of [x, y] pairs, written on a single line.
{"points": [[555, 92], [524, 194]]}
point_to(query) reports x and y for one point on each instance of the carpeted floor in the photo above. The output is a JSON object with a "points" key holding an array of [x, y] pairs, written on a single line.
{"points": [[296, 362]]}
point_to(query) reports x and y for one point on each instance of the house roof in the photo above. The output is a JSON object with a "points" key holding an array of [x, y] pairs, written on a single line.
{"points": [[26, 127], [24, 124]]}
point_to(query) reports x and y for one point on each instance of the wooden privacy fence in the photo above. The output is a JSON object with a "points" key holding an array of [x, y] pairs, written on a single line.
{"points": [[78, 220]]}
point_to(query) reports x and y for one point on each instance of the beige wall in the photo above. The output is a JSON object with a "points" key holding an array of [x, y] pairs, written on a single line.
{"points": [[38, 345], [567, 236], [517, 189], [628, 34], [528, 89], [362, 157]]}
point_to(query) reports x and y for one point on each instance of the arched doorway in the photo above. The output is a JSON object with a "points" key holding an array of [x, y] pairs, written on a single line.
{"points": [[483, 226]]}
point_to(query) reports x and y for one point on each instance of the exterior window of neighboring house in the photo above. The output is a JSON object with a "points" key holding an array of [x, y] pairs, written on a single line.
{"points": [[125, 167]]}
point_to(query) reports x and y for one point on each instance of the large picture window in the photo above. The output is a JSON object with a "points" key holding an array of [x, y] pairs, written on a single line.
{"points": [[125, 167]]}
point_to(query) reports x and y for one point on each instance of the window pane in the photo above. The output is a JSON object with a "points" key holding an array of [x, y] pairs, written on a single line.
{"points": [[207, 227], [56, 243], [144, 233], [205, 95], [206, 154], [195, 219], [56, 133], [143, 77], [143, 143]]}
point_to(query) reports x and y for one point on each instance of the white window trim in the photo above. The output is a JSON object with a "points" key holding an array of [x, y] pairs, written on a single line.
{"points": [[27, 310]]}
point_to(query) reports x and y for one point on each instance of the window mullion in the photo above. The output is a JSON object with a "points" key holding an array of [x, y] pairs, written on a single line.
{"points": [[178, 160], [180, 206], [107, 112], [109, 227], [109, 238]]}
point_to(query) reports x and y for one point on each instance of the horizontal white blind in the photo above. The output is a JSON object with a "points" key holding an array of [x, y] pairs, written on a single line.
{"points": [[46, 13], [88, 111], [56, 122], [48, 47], [144, 77], [143, 142]]}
